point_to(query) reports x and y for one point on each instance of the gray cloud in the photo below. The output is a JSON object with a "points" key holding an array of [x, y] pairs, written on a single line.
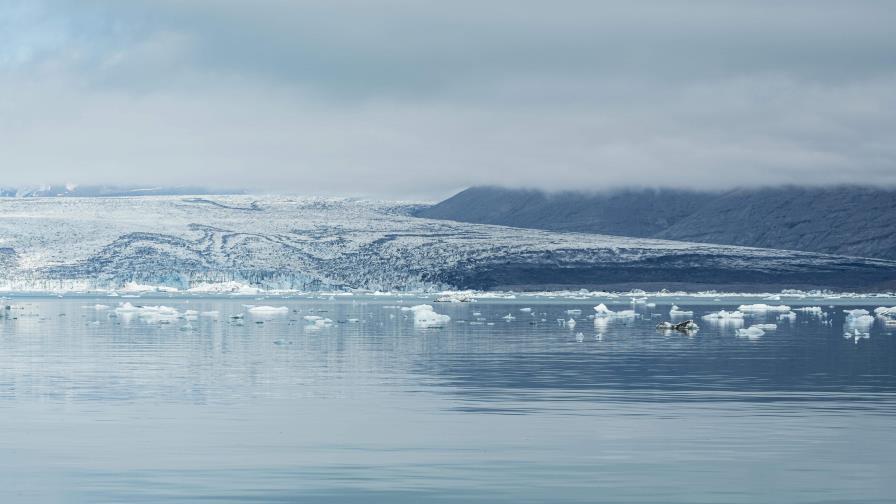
{"points": [[416, 99]]}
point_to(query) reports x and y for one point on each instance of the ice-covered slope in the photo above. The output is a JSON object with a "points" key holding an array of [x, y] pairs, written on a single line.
{"points": [[279, 242]]}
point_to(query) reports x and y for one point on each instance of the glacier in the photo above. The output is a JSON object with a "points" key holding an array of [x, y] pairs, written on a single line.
{"points": [[338, 244]]}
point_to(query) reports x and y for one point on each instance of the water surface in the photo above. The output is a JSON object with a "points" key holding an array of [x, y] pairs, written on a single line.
{"points": [[103, 407]]}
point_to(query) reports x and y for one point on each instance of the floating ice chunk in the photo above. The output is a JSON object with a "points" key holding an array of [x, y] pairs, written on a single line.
{"points": [[526, 310], [126, 308], [855, 313], [760, 307], [766, 327], [574, 312], [639, 300], [100, 307], [812, 310], [883, 310], [688, 326], [508, 317], [571, 323], [268, 310], [723, 315], [211, 314], [678, 312], [773, 297], [751, 332], [455, 297], [789, 317], [624, 314], [861, 320], [424, 316], [317, 323], [650, 305], [601, 310], [580, 337]]}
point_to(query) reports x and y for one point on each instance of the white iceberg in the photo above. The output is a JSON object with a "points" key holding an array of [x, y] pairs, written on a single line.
{"points": [[751, 332], [424, 316], [761, 307], [601, 310], [268, 310], [723, 315]]}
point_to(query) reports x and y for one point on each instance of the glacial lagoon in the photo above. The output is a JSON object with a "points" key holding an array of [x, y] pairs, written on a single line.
{"points": [[347, 398]]}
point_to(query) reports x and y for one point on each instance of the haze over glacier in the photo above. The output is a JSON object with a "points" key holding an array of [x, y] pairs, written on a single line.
{"points": [[277, 242]]}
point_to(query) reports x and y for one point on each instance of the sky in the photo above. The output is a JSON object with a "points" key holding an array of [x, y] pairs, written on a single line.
{"points": [[419, 99]]}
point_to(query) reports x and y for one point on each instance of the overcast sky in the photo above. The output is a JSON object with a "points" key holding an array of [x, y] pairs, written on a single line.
{"points": [[418, 99]]}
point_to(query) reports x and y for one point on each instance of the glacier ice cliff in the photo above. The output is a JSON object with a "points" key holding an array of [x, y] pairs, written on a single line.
{"points": [[315, 244]]}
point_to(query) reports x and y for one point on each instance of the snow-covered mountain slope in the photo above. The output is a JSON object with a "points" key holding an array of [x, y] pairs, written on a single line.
{"points": [[308, 243]]}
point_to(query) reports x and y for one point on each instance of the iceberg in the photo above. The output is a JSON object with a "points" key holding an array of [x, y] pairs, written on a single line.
{"points": [[425, 317], [268, 310], [751, 332], [761, 307], [723, 315], [601, 310]]}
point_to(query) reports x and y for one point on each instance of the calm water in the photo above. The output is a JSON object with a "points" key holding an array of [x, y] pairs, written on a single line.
{"points": [[96, 407]]}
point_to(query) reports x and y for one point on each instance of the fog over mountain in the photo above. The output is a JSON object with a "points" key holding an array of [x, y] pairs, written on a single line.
{"points": [[846, 220]]}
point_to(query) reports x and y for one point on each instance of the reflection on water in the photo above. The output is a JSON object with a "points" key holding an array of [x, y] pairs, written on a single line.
{"points": [[349, 400]]}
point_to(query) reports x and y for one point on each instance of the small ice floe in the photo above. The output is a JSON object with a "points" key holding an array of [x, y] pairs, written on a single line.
{"points": [[580, 337], [149, 314], [811, 310], [766, 327], [574, 312], [508, 317], [724, 315], [884, 311], [317, 323], [678, 312], [211, 314], [187, 327], [761, 308], [787, 317], [639, 300], [571, 323], [858, 319], [425, 317], [856, 335], [624, 314], [751, 332], [601, 310], [687, 327], [526, 310], [268, 310], [650, 305], [100, 307], [773, 297]]}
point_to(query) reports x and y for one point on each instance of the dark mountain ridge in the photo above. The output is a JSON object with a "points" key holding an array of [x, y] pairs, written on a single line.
{"points": [[844, 220]]}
